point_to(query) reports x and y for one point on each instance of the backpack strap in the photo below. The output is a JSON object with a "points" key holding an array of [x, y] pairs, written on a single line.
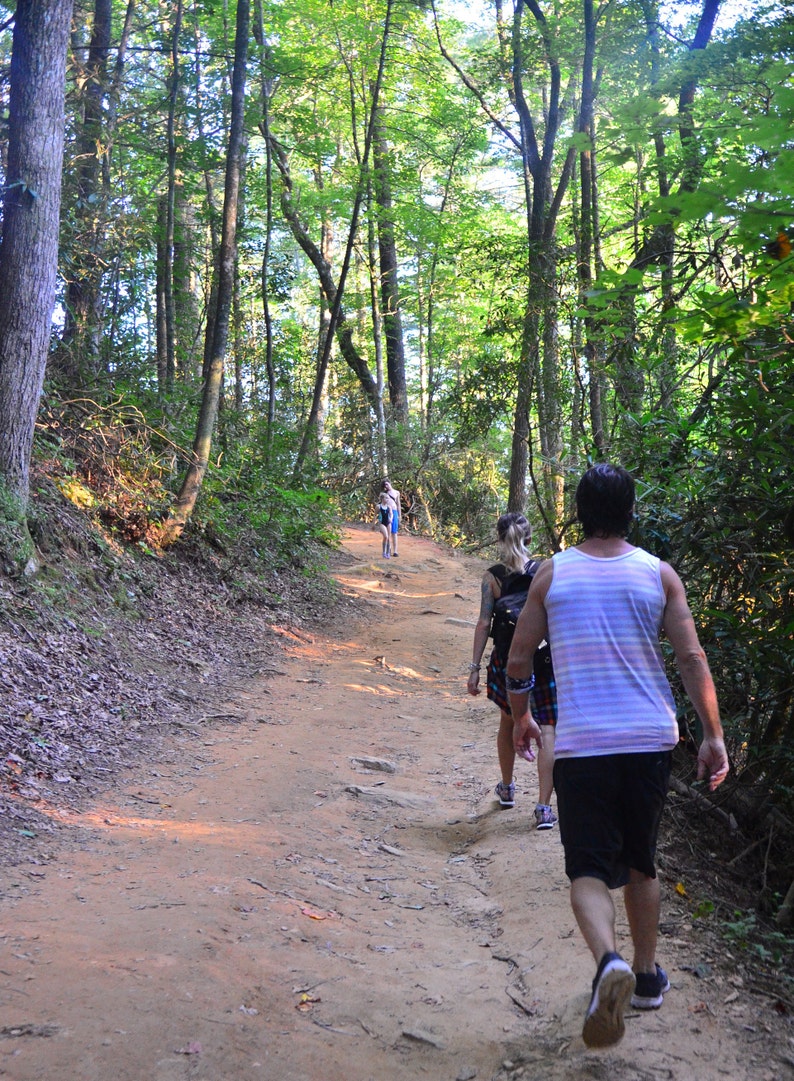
{"points": [[500, 573]]}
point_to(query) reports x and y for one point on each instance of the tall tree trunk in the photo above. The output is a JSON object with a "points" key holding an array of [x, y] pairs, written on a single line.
{"points": [[85, 342], [539, 360], [588, 231], [160, 322], [202, 445], [78, 358], [312, 429], [659, 247], [389, 286], [267, 81], [334, 292], [29, 250], [377, 336], [170, 208], [187, 300], [344, 331], [213, 213]]}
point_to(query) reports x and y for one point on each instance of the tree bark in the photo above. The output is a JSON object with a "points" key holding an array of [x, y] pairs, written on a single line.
{"points": [[78, 358], [389, 285], [344, 332], [202, 445], [377, 335], [267, 81], [170, 209], [29, 250], [538, 372]]}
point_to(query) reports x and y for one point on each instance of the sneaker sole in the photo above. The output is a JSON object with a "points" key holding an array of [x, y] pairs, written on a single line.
{"points": [[506, 803], [650, 1002], [605, 1025], [546, 825], [646, 1003]]}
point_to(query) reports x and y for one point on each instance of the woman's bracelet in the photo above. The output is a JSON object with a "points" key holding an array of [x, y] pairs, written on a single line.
{"points": [[475, 667], [519, 686]]}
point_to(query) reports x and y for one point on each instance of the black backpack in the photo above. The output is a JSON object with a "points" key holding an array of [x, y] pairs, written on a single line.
{"points": [[507, 609]]}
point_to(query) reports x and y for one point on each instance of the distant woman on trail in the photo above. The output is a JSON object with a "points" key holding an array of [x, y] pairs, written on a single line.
{"points": [[383, 523], [513, 532]]}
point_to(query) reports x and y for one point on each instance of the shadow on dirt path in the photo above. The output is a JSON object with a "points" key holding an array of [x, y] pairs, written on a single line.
{"points": [[326, 890]]}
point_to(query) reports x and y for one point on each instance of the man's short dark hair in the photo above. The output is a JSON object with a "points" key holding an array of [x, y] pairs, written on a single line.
{"points": [[605, 501]]}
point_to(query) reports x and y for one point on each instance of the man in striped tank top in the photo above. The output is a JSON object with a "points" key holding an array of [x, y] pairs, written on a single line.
{"points": [[603, 606]]}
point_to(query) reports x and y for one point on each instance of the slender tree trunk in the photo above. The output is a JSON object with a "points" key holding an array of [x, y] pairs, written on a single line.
{"points": [[78, 358], [160, 321], [538, 369], [312, 429], [588, 232], [267, 87], [344, 332], [237, 315], [170, 207], [29, 251], [659, 248], [335, 292], [202, 445], [213, 214], [429, 382], [85, 343], [377, 336], [390, 291]]}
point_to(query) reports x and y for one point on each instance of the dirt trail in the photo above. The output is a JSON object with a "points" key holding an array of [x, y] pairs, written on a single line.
{"points": [[264, 903]]}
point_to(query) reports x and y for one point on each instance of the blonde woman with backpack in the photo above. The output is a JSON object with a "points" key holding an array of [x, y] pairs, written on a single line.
{"points": [[513, 533]]}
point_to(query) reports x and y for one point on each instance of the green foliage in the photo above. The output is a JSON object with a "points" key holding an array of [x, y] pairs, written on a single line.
{"points": [[703, 909], [716, 499], [245, 497], [746, 933], [17, 553]]}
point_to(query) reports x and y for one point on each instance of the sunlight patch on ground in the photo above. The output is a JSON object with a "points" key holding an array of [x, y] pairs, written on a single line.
{"points": [[238, 834]]}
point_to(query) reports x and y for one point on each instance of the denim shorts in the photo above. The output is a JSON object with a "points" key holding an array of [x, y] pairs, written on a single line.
{"points": [[610, 807]]}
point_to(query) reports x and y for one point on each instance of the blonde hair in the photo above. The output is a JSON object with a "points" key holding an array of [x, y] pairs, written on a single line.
{"points": [[513, 532]]}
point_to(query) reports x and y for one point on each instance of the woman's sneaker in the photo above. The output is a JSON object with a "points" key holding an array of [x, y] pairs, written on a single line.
{"points": [[506, 794], [650, 989], [545, 818]]}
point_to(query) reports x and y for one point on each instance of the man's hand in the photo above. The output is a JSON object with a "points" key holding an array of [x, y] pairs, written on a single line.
{"points": [[524, 731], [713, 762]]}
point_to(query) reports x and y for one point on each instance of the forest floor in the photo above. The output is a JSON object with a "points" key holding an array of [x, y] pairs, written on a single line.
{"points": [[314, 882]]}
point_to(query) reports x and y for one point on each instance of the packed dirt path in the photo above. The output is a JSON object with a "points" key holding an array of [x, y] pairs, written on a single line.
{"points": [[327, 890]]}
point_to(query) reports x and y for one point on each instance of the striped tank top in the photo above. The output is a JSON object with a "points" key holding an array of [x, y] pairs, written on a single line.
{"points": [[604, 618]]}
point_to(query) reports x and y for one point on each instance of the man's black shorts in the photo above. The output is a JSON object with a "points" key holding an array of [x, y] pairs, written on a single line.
{"points": [[610, 807]]}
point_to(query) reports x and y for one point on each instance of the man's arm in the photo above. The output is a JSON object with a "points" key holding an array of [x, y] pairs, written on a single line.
{"points": [[530, 631], [679, 626]]}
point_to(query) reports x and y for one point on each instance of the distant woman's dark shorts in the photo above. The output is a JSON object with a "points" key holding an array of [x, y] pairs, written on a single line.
{"points": [[542, 697], [610, 807]]}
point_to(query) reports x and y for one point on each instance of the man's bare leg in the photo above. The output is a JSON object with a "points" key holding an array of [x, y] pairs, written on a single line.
{"points": [[642, 897], [614, 983], [594, 910]]}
